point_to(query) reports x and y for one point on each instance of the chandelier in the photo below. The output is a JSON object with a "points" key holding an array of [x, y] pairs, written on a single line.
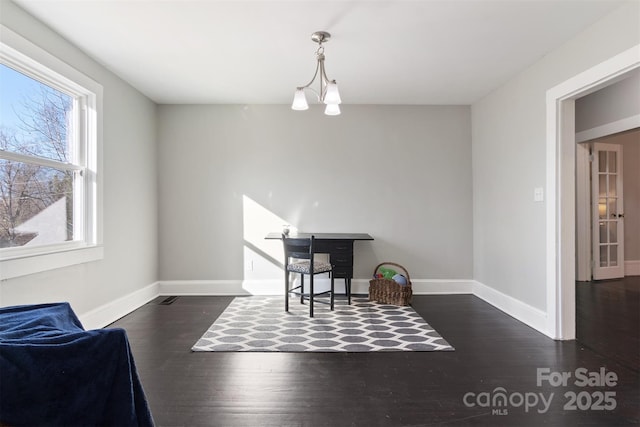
{"points": [[328, 93]]}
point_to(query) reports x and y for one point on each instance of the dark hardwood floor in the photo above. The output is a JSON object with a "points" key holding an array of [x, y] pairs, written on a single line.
{"points": [[608, 318], [374, 389]]}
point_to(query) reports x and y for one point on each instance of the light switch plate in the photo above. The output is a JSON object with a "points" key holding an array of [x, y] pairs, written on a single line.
{"points": [[538, 194]]}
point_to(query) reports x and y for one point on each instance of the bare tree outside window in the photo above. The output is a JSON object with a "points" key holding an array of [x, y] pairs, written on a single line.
{"points": [[36, 198]]}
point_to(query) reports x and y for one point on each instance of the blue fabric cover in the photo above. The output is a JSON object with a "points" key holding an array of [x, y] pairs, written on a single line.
{"points": [[54, 373]]}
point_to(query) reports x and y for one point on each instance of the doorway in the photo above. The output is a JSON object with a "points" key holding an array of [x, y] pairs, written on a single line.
{"points": [[561, 185], [607, 243], [608, 298]]}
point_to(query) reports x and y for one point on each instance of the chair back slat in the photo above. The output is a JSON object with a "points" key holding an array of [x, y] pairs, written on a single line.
{"points": [[298, 247]]}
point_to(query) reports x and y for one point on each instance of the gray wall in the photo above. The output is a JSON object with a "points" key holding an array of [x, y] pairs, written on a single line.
{"points": [[130, 190], [230, 174], [509, 159], [631, 149], [610, 104]]}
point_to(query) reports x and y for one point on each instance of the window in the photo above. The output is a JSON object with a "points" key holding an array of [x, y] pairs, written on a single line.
{"points": [[49, 157]]}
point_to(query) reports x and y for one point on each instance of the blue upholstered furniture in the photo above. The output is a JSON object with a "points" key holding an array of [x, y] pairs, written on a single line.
{"points": [[55, 373]]}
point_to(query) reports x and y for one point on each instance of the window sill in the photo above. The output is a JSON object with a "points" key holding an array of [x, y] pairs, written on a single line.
{"points": [[35, 263]]}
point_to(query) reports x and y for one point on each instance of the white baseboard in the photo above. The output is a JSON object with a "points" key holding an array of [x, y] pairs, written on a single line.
{"points": [[234, 287], [632, 268], [420, 286], [202, 287], [531, 316], [110, 312], [274, 287], [443, 287], [114, 310]]}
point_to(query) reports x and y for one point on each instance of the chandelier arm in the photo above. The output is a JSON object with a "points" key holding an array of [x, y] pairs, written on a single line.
{"points": [[323, 74], [313, 79]]}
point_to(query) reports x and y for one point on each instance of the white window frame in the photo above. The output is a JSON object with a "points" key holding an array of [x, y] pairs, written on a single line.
{"points": [[31, 60]]}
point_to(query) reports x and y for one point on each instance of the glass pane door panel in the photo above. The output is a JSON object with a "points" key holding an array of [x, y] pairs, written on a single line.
{"points": [[602, 161], [613, 232], [612, 185], [602, 208], [612, 208], [603, 232], [611, 156], [602, 188], [613, 255], [604, 262]]}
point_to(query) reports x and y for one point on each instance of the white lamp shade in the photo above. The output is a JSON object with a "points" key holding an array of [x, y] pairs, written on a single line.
{"points": [[332, 110], [299, 101], [332, 96]]}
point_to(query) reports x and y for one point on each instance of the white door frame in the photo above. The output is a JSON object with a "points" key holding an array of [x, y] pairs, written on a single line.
{"points": [[583, 213], [561, 166]]}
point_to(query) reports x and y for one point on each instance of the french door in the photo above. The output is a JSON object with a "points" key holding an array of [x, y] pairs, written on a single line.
{"points": [[608, 213]]}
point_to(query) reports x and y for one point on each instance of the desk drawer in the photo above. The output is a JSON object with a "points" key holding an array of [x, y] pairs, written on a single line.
{"points": [[341, 259], [342, 248], [343, 271], [342, 264], [334, 246]]}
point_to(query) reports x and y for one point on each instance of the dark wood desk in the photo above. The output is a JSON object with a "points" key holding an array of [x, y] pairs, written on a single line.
{"points": [[339, 246]]}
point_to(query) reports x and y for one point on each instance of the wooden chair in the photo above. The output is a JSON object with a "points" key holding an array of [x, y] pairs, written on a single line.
{"points": [[299, 258]]}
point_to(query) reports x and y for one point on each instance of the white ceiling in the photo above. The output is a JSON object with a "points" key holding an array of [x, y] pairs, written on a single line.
{"points": [[257, 52]]}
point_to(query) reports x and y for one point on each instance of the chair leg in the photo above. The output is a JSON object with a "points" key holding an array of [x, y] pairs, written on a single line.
{"points": [[286, 290], [347, 288], [311, 295], [332, 293], [301, 288]]}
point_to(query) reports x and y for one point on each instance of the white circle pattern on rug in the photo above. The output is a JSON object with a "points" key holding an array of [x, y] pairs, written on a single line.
{"points": [[259, 323]]}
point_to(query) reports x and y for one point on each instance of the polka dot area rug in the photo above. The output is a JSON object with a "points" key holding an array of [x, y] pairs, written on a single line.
{"points": [[259, 323]]}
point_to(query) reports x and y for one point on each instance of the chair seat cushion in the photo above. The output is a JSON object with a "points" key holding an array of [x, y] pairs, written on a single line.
{"points": [[303, 267]]}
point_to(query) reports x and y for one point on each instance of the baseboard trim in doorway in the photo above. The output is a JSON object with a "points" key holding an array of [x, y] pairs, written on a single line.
{"points": [[632, 268]]}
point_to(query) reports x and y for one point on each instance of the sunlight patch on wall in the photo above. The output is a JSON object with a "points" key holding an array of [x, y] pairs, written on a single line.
{"points": [[263, 259]]}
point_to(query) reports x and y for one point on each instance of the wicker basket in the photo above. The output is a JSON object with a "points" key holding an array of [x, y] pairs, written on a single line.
{"points": [[389, 291]]}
